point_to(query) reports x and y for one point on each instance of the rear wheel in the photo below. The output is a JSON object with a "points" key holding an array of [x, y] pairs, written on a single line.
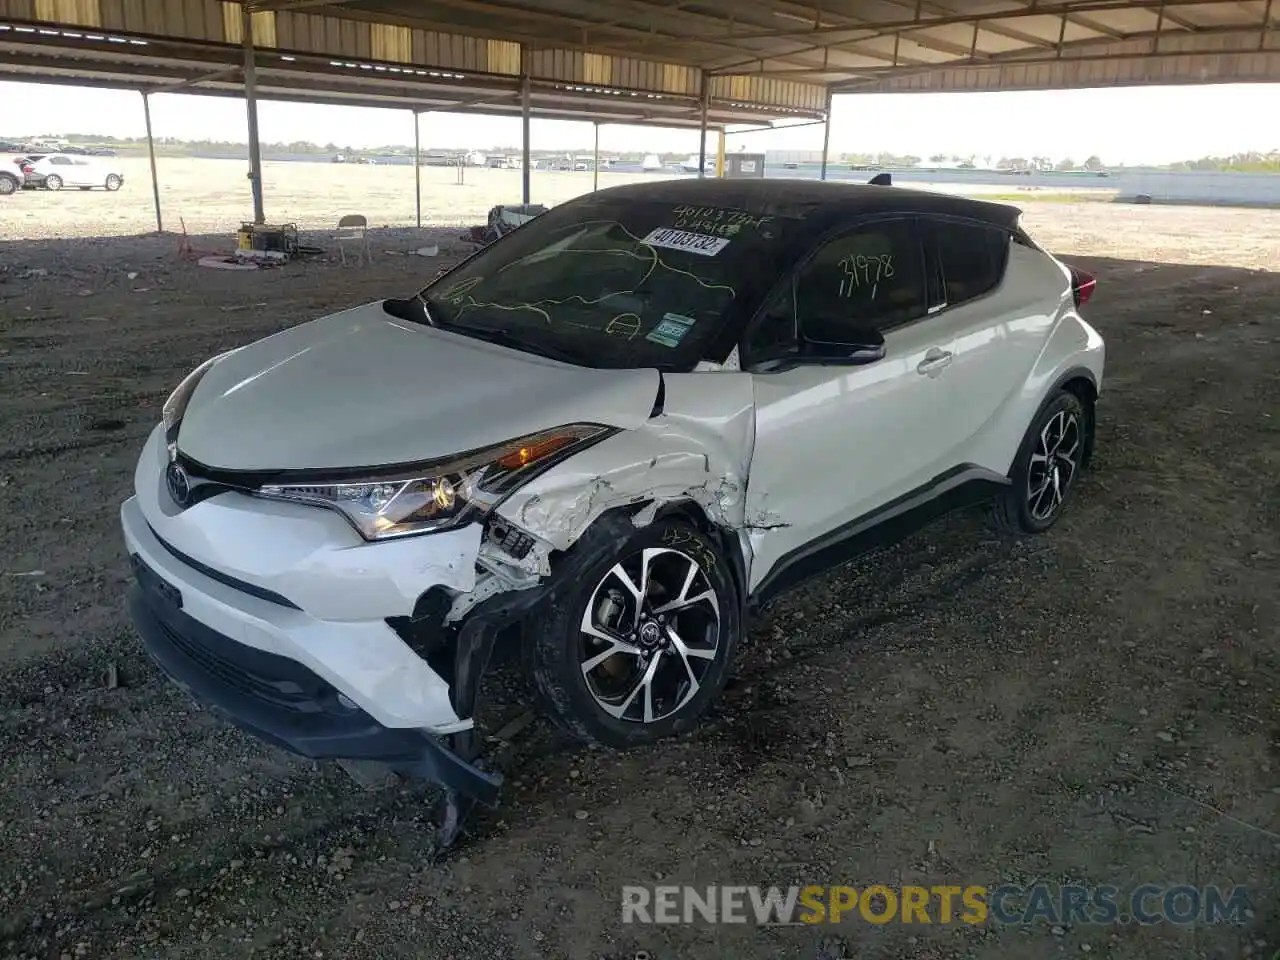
{"points": [[113, 182], [53, 182], [640, 643], [1047, 467]]}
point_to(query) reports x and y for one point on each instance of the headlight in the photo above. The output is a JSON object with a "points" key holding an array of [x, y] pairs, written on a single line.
{"points": [[176, 405], [442, 495]]}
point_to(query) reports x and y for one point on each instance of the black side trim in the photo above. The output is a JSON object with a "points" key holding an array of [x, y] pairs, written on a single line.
{"points": [[227, 581], [959, 487]]}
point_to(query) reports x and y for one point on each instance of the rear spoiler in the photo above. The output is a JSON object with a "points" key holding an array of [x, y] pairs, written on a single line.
{"points": [[881, 180]]}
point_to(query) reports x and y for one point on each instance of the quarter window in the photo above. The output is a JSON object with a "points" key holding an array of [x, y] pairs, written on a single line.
{"points": [[870, 277], [972, 257]]}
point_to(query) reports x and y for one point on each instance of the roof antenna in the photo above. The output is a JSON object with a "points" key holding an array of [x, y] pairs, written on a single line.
{"points": [[881, 180]]}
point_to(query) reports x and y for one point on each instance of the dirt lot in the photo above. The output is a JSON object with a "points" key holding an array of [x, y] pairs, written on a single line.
{"points": [[213, 195], [1100, 705]]}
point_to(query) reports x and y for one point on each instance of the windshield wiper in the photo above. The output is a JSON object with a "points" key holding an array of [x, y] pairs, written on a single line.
{"points": [[503, 338]]}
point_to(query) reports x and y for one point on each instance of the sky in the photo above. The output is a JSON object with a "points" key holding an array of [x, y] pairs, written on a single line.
{"points": [[1126, 125]]}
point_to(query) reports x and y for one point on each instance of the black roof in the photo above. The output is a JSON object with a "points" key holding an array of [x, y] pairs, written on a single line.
{"points": [[819, 200]]}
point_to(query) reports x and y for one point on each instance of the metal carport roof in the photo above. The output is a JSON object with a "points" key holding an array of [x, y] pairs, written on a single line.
{"points": [[690, 63]]}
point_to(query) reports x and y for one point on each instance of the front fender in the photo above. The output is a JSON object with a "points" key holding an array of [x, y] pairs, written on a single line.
{"points": [[696, 448]]}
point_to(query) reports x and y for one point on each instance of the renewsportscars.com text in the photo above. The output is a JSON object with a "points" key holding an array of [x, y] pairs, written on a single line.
{"points": [[973, 904]]}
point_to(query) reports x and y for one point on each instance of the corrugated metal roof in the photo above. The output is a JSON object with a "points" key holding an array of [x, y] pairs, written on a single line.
{"points": [[639, 61]]}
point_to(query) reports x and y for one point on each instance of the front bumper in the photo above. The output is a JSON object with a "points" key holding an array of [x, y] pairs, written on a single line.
{"points": [[281, 701], [297, 581]]}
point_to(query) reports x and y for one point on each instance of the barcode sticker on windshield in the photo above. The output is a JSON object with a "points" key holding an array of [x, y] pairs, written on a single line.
{"points": [[698, 243]]}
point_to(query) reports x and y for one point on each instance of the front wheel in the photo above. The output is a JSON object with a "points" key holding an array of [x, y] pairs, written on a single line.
{"points": [[113, 182], [1047, 467], [640, 642], [8, 185], [53, 182]]}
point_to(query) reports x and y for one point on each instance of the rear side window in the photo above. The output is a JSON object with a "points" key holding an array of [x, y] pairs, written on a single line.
{"points": [[972, 258]]}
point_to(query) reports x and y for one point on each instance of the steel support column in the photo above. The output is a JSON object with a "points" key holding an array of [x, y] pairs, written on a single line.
{"points": [[702, 126], [826, 138], [251, 108], [417, 169], [151, 152], [524, 120], [595, 161]]}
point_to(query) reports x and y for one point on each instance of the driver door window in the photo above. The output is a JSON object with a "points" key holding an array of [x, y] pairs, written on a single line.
{"points": [[872, 276]]}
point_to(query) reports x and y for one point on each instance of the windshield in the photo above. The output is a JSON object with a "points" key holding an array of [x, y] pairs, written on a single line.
{"points": [[613, 282]]}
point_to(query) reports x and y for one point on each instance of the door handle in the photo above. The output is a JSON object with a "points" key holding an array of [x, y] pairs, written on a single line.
{"points": [[934, 361]]}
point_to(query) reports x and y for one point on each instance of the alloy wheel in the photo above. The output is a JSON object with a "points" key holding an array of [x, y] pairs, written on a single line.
{"points": [[649, 635], [1054, 465]]}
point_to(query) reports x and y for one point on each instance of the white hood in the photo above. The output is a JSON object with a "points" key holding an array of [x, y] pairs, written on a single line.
{"points": [[363, 389]]}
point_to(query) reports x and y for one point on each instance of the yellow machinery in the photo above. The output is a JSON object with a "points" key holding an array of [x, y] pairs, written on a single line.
{"points": [[267, 241]]}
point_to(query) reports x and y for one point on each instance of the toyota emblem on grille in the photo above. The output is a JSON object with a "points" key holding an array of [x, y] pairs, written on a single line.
{"points": [[175, 479]]}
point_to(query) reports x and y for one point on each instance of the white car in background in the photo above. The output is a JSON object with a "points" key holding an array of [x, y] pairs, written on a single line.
{"points": [[11, 175], [58, 170], [620, 430]]}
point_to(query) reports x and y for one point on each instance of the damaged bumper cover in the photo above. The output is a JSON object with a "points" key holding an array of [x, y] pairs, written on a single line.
{"points": [[282, 702], [279, 617]]}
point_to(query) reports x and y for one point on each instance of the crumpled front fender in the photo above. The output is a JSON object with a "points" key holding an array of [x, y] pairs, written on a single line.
{"points": [[697, 448]]}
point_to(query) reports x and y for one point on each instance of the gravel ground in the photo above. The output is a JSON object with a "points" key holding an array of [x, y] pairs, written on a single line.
{"points": [[1098, 705]]}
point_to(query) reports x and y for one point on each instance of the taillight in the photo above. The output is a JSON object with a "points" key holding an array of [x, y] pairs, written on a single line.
{"points": [[1082, 286]]}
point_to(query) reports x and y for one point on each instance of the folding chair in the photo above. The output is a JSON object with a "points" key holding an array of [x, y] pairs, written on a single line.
{"points": [[353, 228]]}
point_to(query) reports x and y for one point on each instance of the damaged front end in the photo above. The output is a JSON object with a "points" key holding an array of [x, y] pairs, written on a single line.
{"points": [[296, 604], [690, 457]]}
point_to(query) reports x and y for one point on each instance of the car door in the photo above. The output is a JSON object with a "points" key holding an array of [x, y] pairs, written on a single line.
{"points": [[84, 173], [836, 442], [994, 327], [61, 167]]}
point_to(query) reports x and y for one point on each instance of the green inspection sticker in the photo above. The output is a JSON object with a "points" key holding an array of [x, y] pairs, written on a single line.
{"points": [[671, 329]]}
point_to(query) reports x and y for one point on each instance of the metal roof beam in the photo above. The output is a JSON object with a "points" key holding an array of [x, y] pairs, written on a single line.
{"points": [[873, 76], [206, 78], [873, 29], [617, 44]]}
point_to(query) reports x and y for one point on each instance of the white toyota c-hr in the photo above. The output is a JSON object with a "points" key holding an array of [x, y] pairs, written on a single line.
{"points": [[620, 429]]}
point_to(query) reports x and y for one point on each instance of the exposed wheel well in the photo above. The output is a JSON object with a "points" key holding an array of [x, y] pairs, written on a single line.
{"points": [[1084, 390], [692, 512]]}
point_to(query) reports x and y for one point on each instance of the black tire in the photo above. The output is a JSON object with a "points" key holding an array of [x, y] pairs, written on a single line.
{"points": [[1018, 509], [8, 185], [559, 646], [113, 182], [53, 182]]}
